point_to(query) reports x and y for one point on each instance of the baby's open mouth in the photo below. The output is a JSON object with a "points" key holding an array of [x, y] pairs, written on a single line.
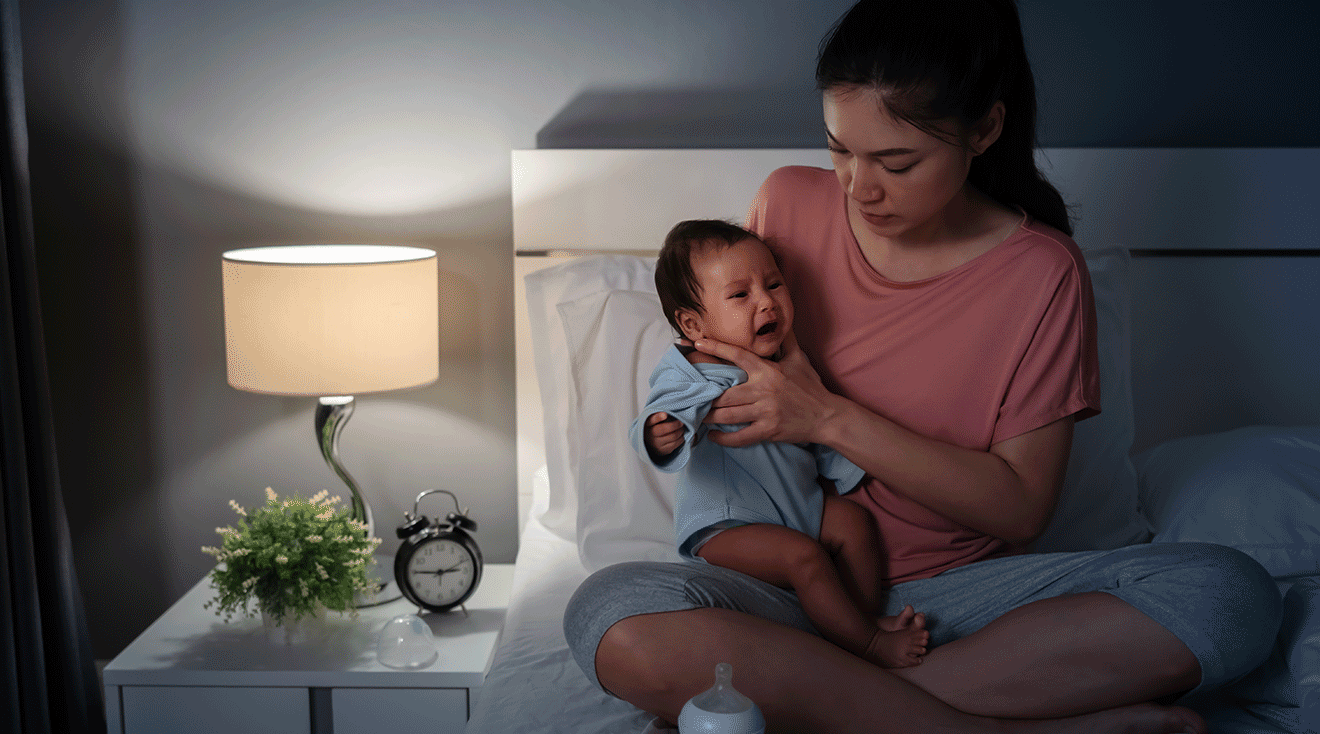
{"points": [[768, 328]]}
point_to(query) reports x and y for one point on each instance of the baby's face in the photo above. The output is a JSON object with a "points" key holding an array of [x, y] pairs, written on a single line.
{"points": [[745, 298]]}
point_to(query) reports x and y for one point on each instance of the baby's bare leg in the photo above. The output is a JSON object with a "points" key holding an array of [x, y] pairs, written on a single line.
{"points": [[793, 560], [849, 535], [847, 532]]}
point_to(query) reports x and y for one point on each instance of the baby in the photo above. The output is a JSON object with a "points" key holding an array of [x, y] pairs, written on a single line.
{"points": [[759, 510]]}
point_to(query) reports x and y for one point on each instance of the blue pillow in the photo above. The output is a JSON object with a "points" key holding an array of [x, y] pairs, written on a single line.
{"points": [[1285, 690], [1256, 489]]}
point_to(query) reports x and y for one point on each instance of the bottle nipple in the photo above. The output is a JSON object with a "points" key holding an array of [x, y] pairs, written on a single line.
{"points": [[721, 709]]}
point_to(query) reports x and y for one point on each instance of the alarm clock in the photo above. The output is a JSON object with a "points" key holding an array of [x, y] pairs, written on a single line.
{"points": [[439, 565]]}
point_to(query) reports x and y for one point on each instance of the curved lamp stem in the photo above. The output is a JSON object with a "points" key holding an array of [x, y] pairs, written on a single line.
{"points": [[331, 415]]}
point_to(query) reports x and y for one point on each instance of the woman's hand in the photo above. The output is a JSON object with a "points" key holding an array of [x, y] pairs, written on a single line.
{"points": [[783, 401], [662, 434]]}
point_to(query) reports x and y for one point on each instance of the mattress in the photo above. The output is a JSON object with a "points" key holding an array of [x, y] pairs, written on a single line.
{"points": [[534, 685]]}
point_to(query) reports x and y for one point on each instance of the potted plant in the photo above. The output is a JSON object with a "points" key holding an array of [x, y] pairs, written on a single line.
{"points": [[291, 559]]}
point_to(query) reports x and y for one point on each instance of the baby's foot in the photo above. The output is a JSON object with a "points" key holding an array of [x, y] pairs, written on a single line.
{"points": [[899, 641], [903, 620], [901, 649]]}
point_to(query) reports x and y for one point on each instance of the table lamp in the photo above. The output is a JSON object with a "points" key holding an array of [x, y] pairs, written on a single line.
{"points": [[331, 322]]}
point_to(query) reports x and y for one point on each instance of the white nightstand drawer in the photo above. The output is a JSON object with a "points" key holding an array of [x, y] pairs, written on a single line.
{"points": [[373, 710], [216, 710], [189, 673]]}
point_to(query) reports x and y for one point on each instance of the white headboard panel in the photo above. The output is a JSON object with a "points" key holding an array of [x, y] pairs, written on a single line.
{"points": [[1226, 278]]}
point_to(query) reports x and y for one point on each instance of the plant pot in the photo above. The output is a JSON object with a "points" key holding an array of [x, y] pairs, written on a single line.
{"points": [[289, 632]]}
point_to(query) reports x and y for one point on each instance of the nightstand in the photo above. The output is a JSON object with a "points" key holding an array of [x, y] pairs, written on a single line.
{"points": [[191, 673]]}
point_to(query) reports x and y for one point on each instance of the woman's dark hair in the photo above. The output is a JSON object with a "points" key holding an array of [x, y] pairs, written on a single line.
{"points": [[935, 60], [675, 281]]}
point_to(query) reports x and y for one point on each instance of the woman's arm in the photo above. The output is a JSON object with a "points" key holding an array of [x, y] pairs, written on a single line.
{"points": [[1008, 492]]}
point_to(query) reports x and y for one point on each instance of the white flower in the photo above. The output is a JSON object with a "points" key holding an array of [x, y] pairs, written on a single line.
{"points": [[250, 583], [321, 571], [225, 530], [316, 498], [326, 515], [314, 538], [211, 550], [240, 551], [281, 559], [237, 508], [270, 494]]}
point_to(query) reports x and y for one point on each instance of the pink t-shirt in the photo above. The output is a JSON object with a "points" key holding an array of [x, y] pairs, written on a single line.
{"points": [[998, 346]]}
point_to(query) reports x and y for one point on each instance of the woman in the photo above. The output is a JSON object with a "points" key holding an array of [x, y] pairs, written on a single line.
{"points": [[951, 319]]}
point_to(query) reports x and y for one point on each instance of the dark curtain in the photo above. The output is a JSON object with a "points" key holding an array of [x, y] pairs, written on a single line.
{"points": [[48, 672]]}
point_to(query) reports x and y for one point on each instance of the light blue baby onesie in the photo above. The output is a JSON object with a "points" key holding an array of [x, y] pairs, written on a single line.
{"points": [[767, 482]]}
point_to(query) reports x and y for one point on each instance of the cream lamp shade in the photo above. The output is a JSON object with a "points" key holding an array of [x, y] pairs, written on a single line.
{"points": [[323, 320]]}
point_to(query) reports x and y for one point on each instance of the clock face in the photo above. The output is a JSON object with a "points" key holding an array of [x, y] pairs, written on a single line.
{"points": [[441, 571]]}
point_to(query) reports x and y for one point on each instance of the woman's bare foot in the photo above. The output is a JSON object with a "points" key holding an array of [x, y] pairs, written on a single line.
{"points": [[1141, 718], [899, 641]]}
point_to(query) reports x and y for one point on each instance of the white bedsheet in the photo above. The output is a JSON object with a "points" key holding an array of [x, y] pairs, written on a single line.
{"points": [[534, 685]]}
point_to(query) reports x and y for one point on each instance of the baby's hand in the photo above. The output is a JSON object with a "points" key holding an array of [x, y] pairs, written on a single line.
{"points": [[663, 435]]}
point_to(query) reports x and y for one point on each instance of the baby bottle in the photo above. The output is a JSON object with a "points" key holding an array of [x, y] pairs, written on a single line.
{"points": [[721, 710]]}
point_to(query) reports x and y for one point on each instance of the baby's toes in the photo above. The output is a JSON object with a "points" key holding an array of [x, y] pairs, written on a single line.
{"points": [[904, 617]]}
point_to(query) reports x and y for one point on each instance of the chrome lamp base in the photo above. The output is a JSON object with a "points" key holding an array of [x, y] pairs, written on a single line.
{"points": [[331, 415], [381, 573]]}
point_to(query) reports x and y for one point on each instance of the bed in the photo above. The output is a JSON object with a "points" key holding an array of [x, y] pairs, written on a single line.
{"points": [[1207, 281]]}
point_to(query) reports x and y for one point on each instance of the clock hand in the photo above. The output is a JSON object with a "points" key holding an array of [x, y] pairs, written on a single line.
{"points": [[442, 571]]}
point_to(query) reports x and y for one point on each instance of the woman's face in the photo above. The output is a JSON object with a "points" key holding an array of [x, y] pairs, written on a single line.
{"points": [[899, 179]]}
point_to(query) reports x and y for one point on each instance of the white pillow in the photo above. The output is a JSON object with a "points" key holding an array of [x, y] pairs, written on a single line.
{"points": [[1256, 489], [546, 289], [598, 332], [1098, 506], [600, 494], [625, 507]]}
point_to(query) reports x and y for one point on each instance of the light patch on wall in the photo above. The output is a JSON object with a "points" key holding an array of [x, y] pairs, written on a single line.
{"points": [[354, 160], [325, 110]]}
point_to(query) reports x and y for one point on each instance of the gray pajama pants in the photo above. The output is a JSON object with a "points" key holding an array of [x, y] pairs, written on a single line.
{"points": [[1219, 601]]}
